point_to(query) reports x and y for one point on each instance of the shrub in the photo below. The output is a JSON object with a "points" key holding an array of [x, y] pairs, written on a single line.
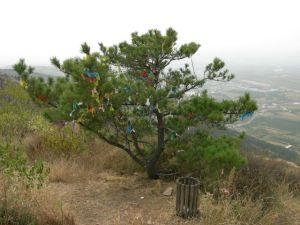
{"points": [[262, 178], [206, 156], [16, 110], [13, 163], [63, 140]]}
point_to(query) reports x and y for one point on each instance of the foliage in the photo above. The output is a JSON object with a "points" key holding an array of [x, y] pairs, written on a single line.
{"points": [[261, 177], [128, 97], [13, 163], [207, 156], [66, 139], [15, 110], [19, 117]]}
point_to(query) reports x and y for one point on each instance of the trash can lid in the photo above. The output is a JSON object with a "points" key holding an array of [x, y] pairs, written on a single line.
{"points": [[187, 180]]}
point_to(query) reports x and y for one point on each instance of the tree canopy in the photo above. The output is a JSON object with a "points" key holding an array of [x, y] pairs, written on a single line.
{"points": [[130, 96]]}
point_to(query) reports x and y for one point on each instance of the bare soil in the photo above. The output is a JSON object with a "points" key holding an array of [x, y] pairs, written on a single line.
{"points": [[109, 199]]}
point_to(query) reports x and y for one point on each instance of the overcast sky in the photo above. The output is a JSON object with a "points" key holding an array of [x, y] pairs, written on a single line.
{"points": [[234, 30]]}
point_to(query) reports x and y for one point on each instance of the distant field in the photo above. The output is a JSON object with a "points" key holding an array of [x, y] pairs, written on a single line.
{"points": [[277, 120], [292, 126]]}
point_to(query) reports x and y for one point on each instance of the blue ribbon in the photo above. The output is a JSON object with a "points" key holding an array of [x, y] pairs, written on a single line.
{"points": [[75, 106], [129, 128], [127, 90], [91, 74], [246, 115]]}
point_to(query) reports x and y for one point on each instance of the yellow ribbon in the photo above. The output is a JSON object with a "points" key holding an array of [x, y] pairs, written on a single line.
{"points": [[111, 108], [23, 84]]}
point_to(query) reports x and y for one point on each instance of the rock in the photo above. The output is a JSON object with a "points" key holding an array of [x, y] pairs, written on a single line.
{"points": [[168, 191], [149, 222]]}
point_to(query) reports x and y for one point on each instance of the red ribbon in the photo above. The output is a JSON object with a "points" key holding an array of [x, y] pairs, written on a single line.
{"points": [[42, 98], [90, 79], [190, 115], [145, 74]]}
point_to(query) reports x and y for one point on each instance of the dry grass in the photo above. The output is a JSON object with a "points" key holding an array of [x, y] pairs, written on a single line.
{"points": [[76, 167], [50, 211], [106, 157], [18, 201], [84, 166], [103, 186], [109, 198], [67, 171], [241, 211], [238, 211], [100, 156], [115, 199]]}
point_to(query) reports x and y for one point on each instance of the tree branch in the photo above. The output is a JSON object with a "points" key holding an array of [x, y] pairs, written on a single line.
{"points": [[136, 145], [130, 153]]}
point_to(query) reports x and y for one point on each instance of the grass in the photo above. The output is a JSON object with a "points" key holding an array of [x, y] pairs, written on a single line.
{"points": [[264, 193], [16, 216], [103, 185], [80, 167], [22, 206]]}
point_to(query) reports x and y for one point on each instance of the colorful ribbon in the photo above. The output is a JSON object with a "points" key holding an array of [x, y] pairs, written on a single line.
{"points": [[91, 109], [130, 129], [23, 84], [75, 106], [246, 115], [147, 102], [42, 98], [91, 74], [190, 115]]}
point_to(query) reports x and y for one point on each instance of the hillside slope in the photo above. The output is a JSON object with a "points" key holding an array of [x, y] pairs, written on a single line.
{"points": [[252, 144], [43, 71]]}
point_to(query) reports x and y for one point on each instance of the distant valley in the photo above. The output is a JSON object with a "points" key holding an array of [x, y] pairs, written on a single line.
{"points": [[43, 71], [277, 93]]}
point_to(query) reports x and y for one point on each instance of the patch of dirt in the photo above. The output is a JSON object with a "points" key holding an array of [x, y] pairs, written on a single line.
{"points": [[110, 199]]}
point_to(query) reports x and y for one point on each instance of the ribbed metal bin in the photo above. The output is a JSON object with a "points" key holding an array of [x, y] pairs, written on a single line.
{"points": [[187, 196]]}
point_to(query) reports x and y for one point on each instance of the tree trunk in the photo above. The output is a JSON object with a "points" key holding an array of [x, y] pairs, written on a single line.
{"points": [[151, 170], [151, 163]]}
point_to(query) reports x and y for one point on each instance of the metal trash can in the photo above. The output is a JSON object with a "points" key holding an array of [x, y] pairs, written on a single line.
{"points": [[187, 196]]}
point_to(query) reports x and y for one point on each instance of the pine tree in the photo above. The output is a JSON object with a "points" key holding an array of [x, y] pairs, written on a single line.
{"points": [[131, 98]]}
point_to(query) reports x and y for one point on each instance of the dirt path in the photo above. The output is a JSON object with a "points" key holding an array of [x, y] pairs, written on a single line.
{"points": [[113, 199]]}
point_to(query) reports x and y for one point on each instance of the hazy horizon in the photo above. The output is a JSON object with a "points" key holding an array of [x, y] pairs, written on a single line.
{"points": [[239, 32]]}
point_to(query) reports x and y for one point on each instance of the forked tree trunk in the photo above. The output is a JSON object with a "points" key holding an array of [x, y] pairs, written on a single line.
{"points": [[151, 170], [151, 163]]}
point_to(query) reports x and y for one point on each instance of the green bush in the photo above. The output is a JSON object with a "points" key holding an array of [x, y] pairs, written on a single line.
{"points": [[13, 124], [19, 118], [206, 156], [13, 163], [65, 140], [16, 110]]}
